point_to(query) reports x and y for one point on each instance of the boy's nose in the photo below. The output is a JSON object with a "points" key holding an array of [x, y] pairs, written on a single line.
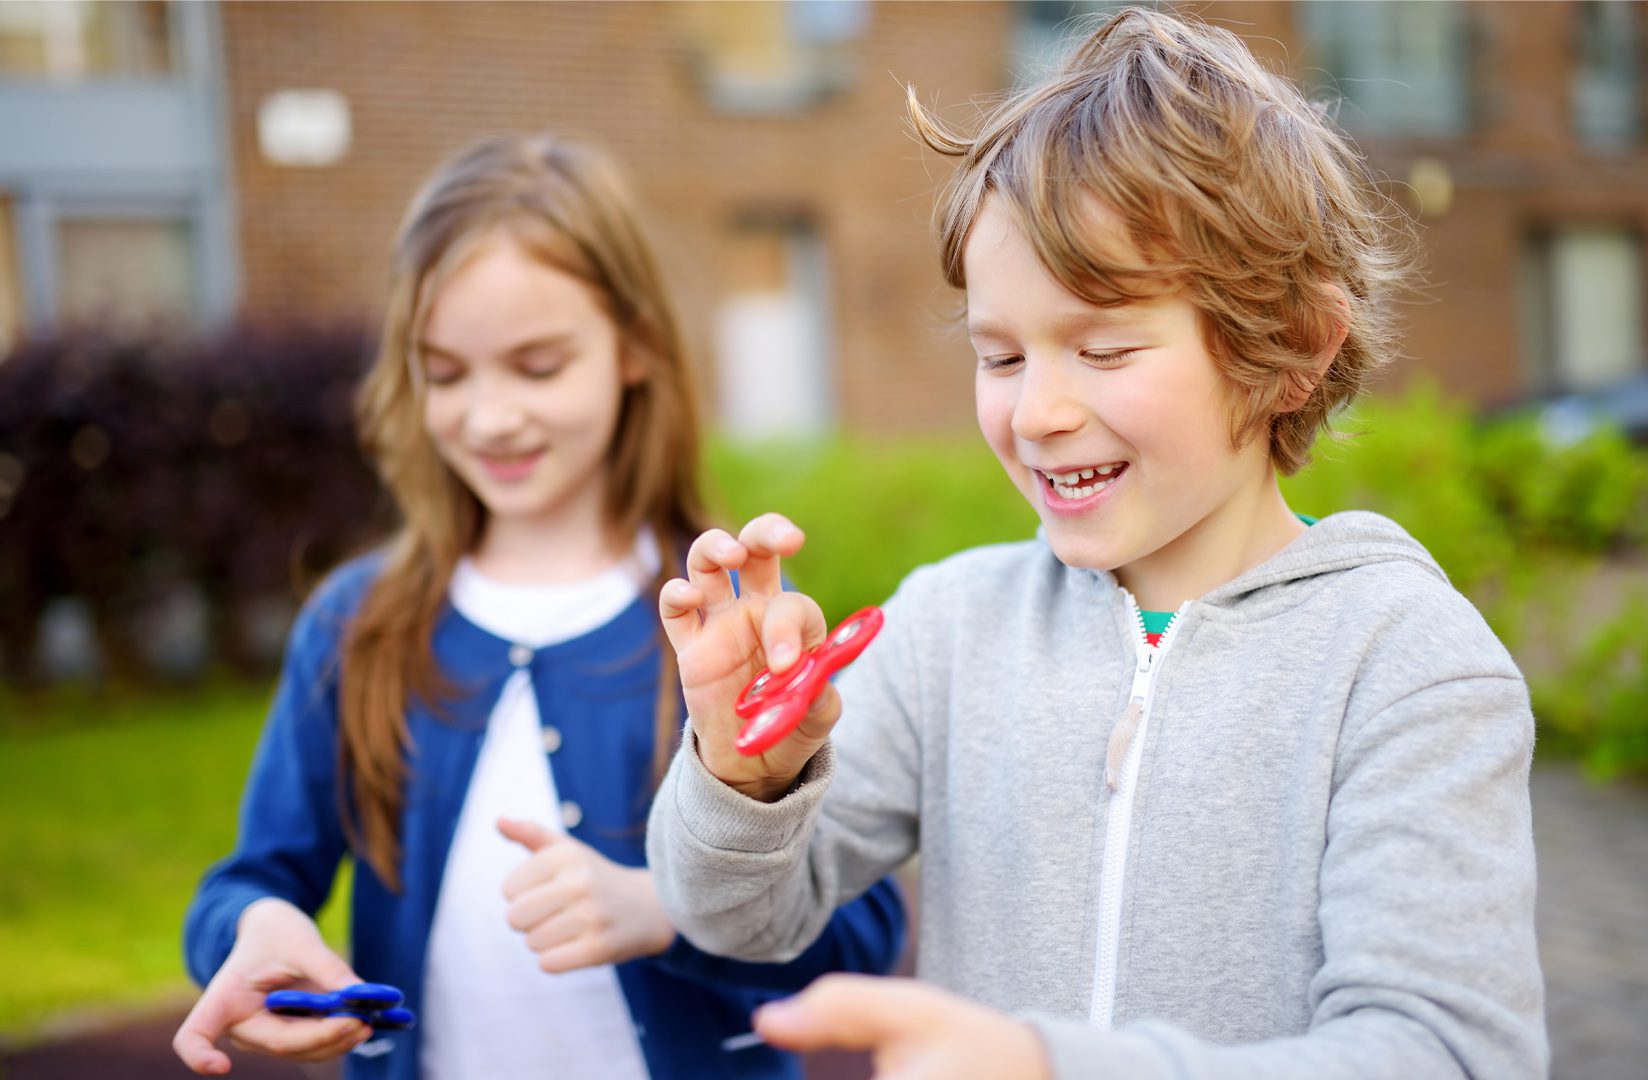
{"points": [[1046, 405]]}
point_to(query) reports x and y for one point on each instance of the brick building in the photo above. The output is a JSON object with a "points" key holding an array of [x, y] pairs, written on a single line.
{"points": [[259, 155]]}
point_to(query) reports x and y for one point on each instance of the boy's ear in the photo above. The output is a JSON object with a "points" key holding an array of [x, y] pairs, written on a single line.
{"points": [[1301, 384]]}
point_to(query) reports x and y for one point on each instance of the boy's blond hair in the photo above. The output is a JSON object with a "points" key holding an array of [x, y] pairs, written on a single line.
{"points": [[1232, 187]]}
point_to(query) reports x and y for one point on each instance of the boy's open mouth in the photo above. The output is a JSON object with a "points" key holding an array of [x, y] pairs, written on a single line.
{"points": [[1080, 483]]}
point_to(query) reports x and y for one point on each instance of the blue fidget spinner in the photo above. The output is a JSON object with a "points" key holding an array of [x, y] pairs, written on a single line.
{"points": [[376, 1003]]}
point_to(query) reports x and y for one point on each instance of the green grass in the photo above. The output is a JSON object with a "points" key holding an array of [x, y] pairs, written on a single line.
{"points": [[112, 809]]}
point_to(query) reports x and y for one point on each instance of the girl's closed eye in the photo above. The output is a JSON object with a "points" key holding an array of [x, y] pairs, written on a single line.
{"points": [[440, 371], [999, 363], [543, 363]]}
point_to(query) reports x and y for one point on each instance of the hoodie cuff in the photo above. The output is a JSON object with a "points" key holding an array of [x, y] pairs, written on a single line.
{"points": [[722, 818]]}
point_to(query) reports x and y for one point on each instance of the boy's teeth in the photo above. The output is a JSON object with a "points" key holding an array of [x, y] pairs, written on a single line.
{"points": [[1070, 479], [1067, 491]]}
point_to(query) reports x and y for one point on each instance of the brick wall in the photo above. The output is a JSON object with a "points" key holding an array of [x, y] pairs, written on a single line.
{"points": [[422, 79]]}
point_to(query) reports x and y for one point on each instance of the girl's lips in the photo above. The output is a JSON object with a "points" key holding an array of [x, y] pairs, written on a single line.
{"points": [[1072, 507], [511, 467]]}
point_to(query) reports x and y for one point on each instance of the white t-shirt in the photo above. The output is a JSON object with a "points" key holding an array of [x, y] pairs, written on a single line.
{"points": [[488, 1011]]}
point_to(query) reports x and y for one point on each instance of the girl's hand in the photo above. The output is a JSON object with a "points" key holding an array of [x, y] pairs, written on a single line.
{"points": [[277, 947], [578, 908], [916, 1032], [721, 641]]}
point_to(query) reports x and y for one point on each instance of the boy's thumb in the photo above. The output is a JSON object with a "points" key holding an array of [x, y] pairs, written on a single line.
{"points": [[529, 834]]}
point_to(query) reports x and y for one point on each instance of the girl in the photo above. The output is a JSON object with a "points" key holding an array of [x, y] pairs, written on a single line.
{"points": [[531, 411]]}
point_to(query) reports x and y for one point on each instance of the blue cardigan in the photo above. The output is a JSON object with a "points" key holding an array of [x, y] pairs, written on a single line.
{"points": [[599, 689]]}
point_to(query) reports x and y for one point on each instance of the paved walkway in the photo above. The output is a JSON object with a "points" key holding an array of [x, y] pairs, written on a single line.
{"points": [[1593, 923], [1593, 935]]}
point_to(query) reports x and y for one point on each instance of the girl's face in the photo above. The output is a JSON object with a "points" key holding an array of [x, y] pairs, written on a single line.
{"points": [[525, 372]]}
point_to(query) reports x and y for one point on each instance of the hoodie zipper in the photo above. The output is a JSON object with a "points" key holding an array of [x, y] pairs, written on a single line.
{"points": [[1121, 777]]}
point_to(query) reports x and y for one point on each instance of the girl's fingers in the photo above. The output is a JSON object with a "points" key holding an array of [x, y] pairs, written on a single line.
{"points": [[291, 1037], [536, 906], [678, 608], [195, 1039], [570, 957], [768, 539], [792, 622], [555, 932], [708, 560]]}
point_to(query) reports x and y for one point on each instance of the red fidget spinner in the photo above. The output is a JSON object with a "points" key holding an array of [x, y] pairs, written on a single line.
{"points": [[772, 705]]}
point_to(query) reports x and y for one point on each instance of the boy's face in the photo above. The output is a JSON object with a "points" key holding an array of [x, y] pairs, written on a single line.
{"points": [[1113, 422]]}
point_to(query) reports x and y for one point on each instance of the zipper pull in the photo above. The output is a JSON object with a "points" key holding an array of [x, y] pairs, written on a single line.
{"points": [[1121, 736]]}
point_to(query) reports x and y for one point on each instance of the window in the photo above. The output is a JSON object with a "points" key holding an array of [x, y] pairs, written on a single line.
{"points": [[1583, 307], [11, 286], [125, 272], [1046, 31], [73, 40], [772, 332], [1401, 68], [1606, 96], [772, 56]]}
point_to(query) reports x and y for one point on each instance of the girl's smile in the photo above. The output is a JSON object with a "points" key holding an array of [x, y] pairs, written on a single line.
{"points": [[509, 468]]}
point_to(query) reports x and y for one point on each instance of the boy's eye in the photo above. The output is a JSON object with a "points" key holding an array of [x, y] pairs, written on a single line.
{"points": [[1106, 357], [999, 363]]}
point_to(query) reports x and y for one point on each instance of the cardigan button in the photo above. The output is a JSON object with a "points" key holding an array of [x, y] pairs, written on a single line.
{"points": [[552, 739], [571, 814], [520, 655]]}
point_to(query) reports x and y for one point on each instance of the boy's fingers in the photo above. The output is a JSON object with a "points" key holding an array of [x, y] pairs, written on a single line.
{"points": [[678, 604], [852, 1012], [708, 560], [768, 539], [791, 622]]}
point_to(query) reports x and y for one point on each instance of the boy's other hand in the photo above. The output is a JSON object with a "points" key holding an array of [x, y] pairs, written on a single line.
{"points": [[722, 640], [914, 1031], [277, 947], [578, 908]]}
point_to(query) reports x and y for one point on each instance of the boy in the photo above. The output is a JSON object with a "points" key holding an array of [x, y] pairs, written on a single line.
{"points": [[1199, 789]]}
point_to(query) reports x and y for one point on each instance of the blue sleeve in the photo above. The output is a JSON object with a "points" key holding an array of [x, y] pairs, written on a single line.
{"points": [[290, 834], [865, 936]]}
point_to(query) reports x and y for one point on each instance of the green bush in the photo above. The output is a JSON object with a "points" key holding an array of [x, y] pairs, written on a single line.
{"points": [[1519, 525]]}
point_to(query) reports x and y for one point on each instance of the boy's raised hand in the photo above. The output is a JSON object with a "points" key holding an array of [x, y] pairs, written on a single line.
{"points": [[277, 947], [578, 908], [722, 640]]}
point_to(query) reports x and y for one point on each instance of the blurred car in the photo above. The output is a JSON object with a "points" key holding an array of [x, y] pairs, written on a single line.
{"points": [[1568, 418]]}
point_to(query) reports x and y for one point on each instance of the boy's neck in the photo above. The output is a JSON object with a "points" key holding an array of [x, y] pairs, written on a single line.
{"points": [[1237, 536]]}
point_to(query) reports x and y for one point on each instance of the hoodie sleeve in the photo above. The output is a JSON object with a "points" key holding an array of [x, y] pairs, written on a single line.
{"points": [[1427, 911], [761, 881], [864, 936]]}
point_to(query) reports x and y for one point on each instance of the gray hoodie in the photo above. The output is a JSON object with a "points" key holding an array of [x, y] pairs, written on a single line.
{"points": [[1317, 861]]}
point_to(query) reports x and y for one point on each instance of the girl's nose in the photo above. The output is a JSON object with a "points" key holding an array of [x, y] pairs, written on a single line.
{"points": [[1046, 404], [493, 412]]}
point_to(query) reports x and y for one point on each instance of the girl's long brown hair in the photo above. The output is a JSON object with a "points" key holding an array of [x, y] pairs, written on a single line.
{"points": [[566, 203]]}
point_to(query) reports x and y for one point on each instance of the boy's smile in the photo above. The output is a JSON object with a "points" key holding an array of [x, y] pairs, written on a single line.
{"points": [[1115, 422]]}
